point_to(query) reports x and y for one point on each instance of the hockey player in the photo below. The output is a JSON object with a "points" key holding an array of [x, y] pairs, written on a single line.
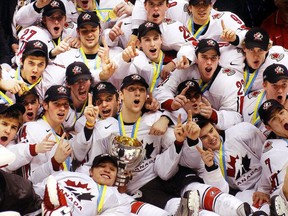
{"points": [[259, 54], [210, 77], [97, 58], [56, 105], [273, 179], [29, 74], [275, 86], [52, 31]]}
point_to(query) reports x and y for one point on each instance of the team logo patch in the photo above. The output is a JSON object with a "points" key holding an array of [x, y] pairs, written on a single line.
{"points": [[277, 56], [267, 146], [189, 83], [229, 72], [54, 4], [135, 77], [77, 70], [62, 90], [267, 105], [211, 43], [254, 94], [101, 86], [169, 21], [217, 15], [258, 36], [69, 25], [149, 25], [185, 8], [86, 16], [38, 44], [279, 70]]}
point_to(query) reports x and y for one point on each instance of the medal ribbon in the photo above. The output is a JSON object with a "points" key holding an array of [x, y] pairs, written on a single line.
{"points": [[100, 201], [156, 72], [97, 60], [66, 163], [122, 128], [58, 41], [249, 79], [255, 117], [205, 86], [222, 159], [198, 33]]}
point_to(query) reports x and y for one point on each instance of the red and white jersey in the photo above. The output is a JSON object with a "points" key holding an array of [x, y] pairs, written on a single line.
{"points": [[42, 34], [274, 164], [41, 165], [276, 55], [159, 149], [83, 195], [174, 12], [251, 104], [95, 65], [52, 75], [242, 147], [225, 99]]}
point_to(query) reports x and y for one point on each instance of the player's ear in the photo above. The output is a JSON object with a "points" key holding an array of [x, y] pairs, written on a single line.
{"points": [[138, 44], [268, 127]]}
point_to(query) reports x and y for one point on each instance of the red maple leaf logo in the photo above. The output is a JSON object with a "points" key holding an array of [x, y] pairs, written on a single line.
{"points": [[78, 185], [231, 171]]}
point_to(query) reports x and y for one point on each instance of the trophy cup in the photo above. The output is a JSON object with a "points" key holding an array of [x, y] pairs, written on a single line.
{"points": [[130, 154]]}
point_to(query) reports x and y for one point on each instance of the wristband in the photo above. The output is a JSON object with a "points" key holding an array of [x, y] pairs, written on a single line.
{"points": [[89, 124]]}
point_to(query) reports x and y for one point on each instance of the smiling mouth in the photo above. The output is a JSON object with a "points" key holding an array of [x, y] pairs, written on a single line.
{"points": [[153, 50], [106, 111]]}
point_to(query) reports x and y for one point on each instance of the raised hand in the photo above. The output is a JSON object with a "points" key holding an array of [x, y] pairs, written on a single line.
{"points": [[205, 108], [90, 112], [116, 31], [183, 63], [179, 130], [191, 128], [42, 3], [160, 126], [123, 8], [63, 150], [45, 145], [180, 100], [151, 103], [166, 70], [207, 156], [227, 35], [63, 46], [129, 52], [108, 67]]}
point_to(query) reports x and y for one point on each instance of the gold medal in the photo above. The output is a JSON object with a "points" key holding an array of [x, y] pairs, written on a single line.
{"points": [[112, 14]]}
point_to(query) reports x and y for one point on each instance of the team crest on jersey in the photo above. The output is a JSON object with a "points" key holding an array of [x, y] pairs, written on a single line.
{"points": [[229, 72], [258, 36], [254, 94], [77, 70], [169, 21], [217, 15], [268, 146], [69, 25], [54, 4], [277, 56]]}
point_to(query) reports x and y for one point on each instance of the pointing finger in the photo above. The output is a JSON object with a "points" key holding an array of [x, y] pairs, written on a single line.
{"points": [[200, 150], [104, 42], [89, 99], [119, 24], [47, 136], [223, 25], [189, 119], [179, 119], [183, 92]]}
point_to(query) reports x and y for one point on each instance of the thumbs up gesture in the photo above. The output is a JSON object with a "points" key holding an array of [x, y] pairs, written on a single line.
{"points": [[227, 35]]}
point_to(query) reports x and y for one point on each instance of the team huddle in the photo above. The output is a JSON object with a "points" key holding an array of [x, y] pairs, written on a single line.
{"points": [[201, 94]]}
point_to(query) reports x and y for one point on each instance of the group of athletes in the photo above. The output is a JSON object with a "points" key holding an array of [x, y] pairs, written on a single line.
{"points": [[203, 94]]}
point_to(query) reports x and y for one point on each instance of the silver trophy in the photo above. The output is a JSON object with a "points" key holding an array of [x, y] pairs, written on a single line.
{"points": [[130, 154]]}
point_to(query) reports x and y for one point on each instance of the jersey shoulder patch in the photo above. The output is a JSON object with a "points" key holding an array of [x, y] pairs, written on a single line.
{"points": [[267, 146], [217, 15], [254, 94], [169, 21], [69, 25], [276, 56], [228, 71]]}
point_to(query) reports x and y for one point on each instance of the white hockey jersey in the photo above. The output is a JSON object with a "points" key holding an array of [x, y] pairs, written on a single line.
{"points": [[274, 165], [41, 165], [83, 195], [224, 94], [159, 149]]}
